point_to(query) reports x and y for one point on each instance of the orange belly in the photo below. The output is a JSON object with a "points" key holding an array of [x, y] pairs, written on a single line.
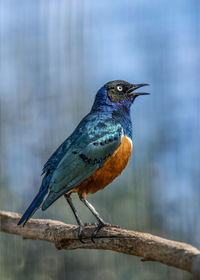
{"points": [[109, 171]]}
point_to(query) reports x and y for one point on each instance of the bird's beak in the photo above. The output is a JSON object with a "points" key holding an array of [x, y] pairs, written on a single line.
{"points": [[134, 87]]}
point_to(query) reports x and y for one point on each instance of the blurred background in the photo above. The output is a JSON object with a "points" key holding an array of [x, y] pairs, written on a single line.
{"points": [[54, 55]]}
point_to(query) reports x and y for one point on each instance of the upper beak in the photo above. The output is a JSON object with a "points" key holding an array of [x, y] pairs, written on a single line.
{"points": [[136, 86]]}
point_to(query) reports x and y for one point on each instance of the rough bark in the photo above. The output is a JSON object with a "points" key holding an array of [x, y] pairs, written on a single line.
{"points": [[145, 245]]}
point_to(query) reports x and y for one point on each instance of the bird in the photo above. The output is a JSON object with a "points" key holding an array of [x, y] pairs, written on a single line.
{"points": [[92, 156]]}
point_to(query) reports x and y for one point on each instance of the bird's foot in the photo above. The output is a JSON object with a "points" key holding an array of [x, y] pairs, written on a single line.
{"points": [[97, 229], [80, 230]]}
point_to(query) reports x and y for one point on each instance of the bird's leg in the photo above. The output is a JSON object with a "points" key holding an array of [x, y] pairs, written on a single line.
{"points": [[92, 209], [101, 222], [79, 222]]}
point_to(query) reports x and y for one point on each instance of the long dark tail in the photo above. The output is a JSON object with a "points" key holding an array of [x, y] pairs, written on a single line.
{"points": [[35, 204]]}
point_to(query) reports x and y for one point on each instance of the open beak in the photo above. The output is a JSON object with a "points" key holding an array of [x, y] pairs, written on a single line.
{"points": [[134, 87]]}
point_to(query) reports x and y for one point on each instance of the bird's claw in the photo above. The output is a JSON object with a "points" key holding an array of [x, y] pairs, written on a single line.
{"points": [[80, 230], [97, 229]]}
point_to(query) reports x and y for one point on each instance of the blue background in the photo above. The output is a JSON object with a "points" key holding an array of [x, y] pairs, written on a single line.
{"points": [[54, 55]]}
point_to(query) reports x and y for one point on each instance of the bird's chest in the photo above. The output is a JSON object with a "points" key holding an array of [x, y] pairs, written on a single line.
{"points": [[109, 171]]}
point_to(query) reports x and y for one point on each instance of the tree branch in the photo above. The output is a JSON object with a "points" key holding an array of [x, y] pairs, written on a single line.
{"points": [[147, 246]]}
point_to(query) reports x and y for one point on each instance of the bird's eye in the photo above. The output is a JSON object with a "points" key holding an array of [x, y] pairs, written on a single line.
{"points": [[119, 88]]}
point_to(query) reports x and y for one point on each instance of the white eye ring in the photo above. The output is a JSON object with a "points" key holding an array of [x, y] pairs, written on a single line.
{"points": [[119, 88]]}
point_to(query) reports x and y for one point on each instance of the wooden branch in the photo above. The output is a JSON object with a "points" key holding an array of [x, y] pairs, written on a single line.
{"points": [[147, 246]]}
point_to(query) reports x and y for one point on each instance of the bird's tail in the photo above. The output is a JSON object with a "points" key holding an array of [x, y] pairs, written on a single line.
{"points": [[35, 204]]}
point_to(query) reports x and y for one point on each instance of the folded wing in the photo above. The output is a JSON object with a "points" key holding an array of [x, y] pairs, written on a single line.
{"points": [[93, 146]]}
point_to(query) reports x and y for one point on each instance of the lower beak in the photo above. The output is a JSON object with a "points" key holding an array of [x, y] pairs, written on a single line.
{"points": [[136, 86]]}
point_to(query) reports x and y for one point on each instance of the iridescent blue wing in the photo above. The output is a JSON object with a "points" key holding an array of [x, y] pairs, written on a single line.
{"points": [[93, 143]]}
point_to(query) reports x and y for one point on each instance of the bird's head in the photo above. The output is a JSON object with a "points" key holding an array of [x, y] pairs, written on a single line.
{"points": [[119, 91], [116, 94]]}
